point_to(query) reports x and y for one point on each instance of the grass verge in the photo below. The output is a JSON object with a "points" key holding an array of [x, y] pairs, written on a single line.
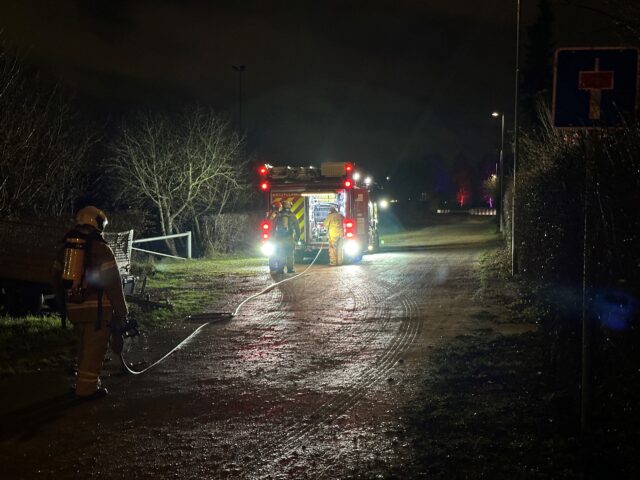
{"points": [[34, 343], [191, 286]]}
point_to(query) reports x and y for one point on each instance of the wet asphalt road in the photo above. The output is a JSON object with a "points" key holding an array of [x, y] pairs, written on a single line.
{"points": [[309, 381]]}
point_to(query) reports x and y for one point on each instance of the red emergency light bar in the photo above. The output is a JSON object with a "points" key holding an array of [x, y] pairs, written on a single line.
{"points": [[348, 167], [348, 223], [348, 183], [263, 170], [264, 186]]}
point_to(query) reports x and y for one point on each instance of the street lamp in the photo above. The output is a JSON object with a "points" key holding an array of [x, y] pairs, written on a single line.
{"points": [[501, 174], [239, 69], [516, 139]]}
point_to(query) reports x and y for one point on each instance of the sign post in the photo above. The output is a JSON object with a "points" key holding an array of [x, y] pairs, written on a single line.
{"points": [[593, 89]]}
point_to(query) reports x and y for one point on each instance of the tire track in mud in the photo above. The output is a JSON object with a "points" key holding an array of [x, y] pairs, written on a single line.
{"points": [[366, 309], [359, 317], [358, 299], [343, 401], [361, 382], [361, 299]]}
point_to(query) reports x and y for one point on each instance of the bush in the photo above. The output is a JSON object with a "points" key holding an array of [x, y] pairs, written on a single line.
{"points": [[229, 233], [550, 206]]}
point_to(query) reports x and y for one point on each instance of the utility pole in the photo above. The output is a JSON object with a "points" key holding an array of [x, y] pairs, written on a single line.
{"points": [[239, 69], [515, 143]]}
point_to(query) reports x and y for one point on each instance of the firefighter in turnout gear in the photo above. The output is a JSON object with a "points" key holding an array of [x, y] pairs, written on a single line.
{"points": [[287, 233], [335, 231], [87, 276]]}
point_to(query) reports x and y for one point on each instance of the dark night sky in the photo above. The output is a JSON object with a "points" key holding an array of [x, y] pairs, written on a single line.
{"points": [[375, 82]]}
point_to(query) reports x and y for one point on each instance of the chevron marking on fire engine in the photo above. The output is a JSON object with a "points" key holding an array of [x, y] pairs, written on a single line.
{"points": [[297, 209]]}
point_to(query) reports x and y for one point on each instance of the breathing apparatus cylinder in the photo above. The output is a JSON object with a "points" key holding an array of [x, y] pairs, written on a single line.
{"points": [[74, 266]]}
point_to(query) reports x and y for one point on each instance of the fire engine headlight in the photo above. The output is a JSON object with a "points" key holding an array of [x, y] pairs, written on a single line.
{"points": [[267, 249], [351, 248]]}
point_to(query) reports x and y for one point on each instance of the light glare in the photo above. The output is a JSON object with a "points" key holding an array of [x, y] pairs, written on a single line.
{"points": [[351, 248], [267, 249]]}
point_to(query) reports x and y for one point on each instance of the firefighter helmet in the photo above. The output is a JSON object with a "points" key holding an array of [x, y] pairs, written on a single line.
{"points": [[276, 205], [286, 204], [92, 216]]}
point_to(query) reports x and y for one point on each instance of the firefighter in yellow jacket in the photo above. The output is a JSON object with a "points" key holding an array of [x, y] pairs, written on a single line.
{"points": [[87, 272], [335, 231]]}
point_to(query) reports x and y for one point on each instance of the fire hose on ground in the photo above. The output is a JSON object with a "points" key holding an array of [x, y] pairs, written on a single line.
{"points": [[199, 328]]}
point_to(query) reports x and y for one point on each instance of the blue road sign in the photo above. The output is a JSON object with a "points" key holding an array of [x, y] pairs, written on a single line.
{"points": [[594, 87]]}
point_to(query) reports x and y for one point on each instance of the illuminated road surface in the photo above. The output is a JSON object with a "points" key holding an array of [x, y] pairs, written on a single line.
{"points": [[308, 382]]}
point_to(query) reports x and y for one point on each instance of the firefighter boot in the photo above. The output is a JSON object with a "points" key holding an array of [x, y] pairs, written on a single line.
{"points": [[101, 392]]}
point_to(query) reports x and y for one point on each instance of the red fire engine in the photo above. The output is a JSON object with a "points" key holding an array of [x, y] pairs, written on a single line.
{"points": [[312, 192]]}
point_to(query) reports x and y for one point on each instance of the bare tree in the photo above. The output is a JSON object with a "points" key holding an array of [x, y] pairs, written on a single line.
{"points": [[623, 14], [43, 156], [185, 166]]}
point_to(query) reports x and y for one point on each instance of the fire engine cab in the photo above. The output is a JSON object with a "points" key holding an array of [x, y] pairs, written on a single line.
{"points": [[312, 192]]}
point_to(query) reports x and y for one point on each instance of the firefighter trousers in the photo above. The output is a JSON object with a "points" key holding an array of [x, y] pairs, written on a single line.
{"points": [[92, 346], [289, 249], [335, 251]]}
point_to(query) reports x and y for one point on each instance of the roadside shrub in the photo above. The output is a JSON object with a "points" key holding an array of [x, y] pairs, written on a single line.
{"points": [[549, 212], [143, 265], [550, 206], [229, 233]]}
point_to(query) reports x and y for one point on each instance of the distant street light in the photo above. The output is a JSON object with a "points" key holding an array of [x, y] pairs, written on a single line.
{"points": [[239, 69], [501, 174]]}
